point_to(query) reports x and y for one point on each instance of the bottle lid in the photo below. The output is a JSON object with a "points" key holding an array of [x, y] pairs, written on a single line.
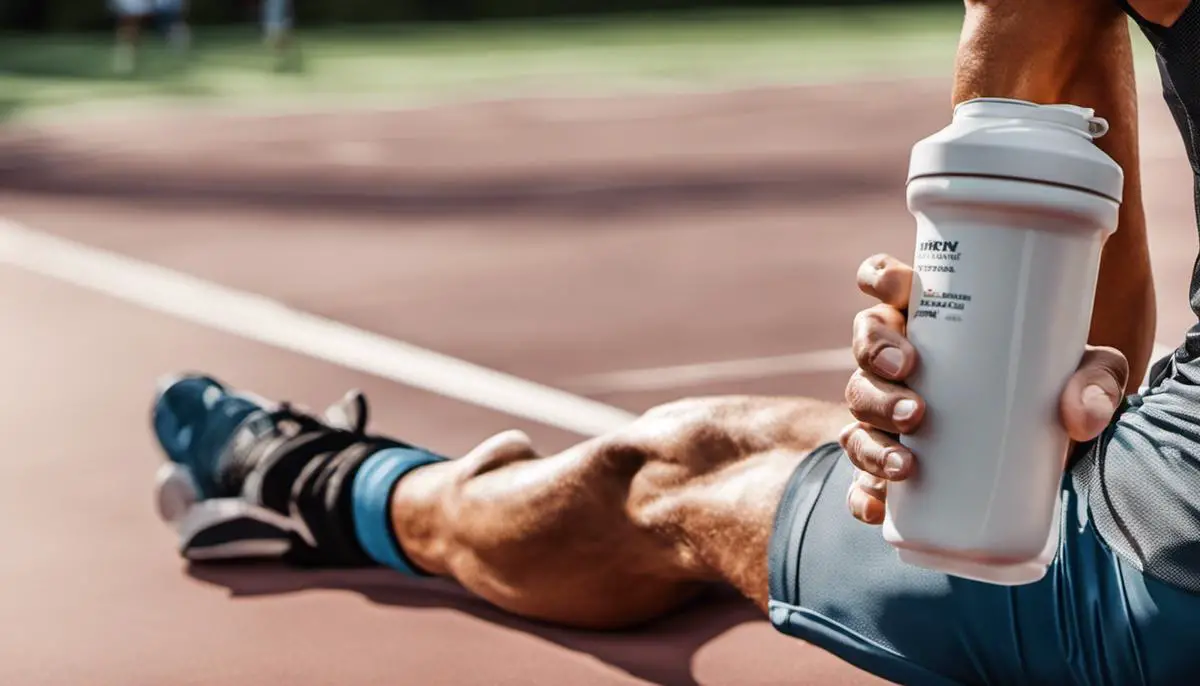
{"points": [[1021, 140]]}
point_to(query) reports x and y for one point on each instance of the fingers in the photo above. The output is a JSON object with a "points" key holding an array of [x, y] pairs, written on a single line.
{"points": [[887, 406], [876, 453], [1093, 393], [886, 279], [866, 498], [881, 405], [879, 343]]}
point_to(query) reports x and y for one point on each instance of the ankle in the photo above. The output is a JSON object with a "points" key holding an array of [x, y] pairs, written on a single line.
{"points": [[418, 520], [375, 510]]}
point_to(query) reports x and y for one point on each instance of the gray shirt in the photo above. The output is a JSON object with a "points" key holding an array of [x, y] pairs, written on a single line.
{"points": [[1142, 477]]}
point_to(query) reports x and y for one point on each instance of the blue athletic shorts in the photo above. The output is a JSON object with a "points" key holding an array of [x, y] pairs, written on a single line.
{"points": [[1094, 618]]}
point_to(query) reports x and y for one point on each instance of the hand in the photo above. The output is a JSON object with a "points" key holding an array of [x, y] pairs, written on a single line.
{"points": [[884, 407]]}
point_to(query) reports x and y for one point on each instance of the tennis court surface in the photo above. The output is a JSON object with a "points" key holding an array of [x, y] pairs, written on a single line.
{"points": [[624, 251]]}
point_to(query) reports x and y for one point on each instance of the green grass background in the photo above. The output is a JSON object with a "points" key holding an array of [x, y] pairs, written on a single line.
{"points": [[421, 63], [48, 74]]}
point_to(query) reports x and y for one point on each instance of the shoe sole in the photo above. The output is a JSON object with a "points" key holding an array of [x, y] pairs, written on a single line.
{"points": [[218, 528], [176, 492]]}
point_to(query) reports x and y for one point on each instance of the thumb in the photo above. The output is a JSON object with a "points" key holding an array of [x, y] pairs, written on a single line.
{"points": [[1094, 393]]}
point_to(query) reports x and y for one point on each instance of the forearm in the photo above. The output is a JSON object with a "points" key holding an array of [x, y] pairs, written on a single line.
{"points": [[1077, 52]]}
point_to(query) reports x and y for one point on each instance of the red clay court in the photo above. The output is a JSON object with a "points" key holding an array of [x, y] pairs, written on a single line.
{"points": [[627, 251]]}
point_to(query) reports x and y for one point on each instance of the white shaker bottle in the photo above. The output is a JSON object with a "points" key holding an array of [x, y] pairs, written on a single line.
{"points": [[1013, 202]]}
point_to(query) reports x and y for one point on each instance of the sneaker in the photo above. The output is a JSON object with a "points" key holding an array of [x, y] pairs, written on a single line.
{"points": [[232, 461]]}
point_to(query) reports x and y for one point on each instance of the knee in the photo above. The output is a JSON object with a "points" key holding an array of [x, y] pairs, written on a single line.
{"points": [[615, 476], [686, 444], [669, 449], [704, 434], [691, 436]]}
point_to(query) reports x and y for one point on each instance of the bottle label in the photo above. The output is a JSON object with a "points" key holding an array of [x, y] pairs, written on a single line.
{"points": [[936, 262]]}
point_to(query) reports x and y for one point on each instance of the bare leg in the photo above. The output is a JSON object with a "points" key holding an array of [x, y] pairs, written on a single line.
{"points": [[620, 529]]}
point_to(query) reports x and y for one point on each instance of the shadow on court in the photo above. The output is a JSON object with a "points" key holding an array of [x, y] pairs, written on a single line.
{"points": [[661, 652], [37, 167]]}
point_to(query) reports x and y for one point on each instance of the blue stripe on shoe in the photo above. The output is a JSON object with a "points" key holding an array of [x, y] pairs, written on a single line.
{"points": [[371, 498]]}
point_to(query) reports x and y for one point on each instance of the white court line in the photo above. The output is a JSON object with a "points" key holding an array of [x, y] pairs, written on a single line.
{"points": [[682, 376], [661, 378], [267, 321]]}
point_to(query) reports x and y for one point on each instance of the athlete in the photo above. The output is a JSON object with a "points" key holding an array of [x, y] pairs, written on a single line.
{"points": [[132, 14], [277, 18], [753, 492]]}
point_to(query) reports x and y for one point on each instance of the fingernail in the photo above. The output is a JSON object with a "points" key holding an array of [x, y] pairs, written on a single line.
{"points": [[890, 361], [868, 274], [904, 410], [1099, 404], [893, 464], [854, 500]]}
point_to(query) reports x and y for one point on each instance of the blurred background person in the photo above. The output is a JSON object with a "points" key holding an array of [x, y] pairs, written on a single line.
{"points": [[130, 16], [277, 20], [172, 22], [169, 15]]}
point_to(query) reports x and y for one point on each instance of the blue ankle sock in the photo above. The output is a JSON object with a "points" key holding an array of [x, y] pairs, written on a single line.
{"points": [[371, 497]]}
